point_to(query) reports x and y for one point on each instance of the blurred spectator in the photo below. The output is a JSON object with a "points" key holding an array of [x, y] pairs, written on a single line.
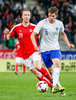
{"points": [[33, 20], [73, 34], [68, 30], [17, 12], [1, 2], [10, 25], [18, 19], [0, 34], [10, 43], [38, 17], [34, 11]]}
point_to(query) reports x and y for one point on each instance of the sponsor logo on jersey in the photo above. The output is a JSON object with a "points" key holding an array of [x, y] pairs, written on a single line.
{"points": [[56, 28], [20, 30]]}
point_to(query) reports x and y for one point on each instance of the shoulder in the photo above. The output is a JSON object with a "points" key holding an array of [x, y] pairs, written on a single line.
{"points": [[59, 22], [44, 20], [32, 24], [17, 25]]}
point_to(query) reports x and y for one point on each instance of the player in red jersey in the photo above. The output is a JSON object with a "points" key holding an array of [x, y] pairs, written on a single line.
{"points": [[32, 58], [19, 60]]}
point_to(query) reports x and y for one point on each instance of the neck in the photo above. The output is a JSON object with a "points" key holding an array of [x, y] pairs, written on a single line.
{"points": [[51, 21], [25, 24]]}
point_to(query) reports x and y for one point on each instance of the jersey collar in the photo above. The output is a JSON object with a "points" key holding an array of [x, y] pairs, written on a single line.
{"points": [[25, 26]]}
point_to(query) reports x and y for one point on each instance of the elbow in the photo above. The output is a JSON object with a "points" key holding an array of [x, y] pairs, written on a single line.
{"points": [[63, 35], [32, 36]]}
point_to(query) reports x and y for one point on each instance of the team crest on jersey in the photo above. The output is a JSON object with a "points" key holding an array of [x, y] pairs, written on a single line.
{"points": [[56, 28], [20, 35], [30, 30]]}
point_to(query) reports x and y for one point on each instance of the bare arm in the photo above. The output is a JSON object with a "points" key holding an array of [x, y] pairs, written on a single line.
{"points": [[14, 50], [33, 41], [66, 40]]}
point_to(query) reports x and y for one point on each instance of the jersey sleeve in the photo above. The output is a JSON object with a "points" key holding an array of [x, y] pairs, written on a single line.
{"points": [[38, 28], [62, 27], [13, 31], [16, 46]]}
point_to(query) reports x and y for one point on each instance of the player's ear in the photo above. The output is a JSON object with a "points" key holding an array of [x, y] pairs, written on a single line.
{"points": [[22, 17], [56, 15]]}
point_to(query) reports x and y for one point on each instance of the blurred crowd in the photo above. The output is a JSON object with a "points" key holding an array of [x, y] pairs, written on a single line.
{"points": [[9, 17]]}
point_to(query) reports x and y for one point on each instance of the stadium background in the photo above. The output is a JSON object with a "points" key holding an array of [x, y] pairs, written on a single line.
{"points": [[10, 15], [11, 86]]}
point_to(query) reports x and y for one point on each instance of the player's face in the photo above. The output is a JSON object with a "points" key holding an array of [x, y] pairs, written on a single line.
{"points": [[52, 17], [26, 16]]}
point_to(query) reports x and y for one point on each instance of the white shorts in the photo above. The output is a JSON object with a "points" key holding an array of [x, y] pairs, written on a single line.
{"points": [[19, 60], [34, 57]]}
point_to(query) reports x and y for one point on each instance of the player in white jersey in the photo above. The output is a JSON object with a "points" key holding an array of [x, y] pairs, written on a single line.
{"points": [[49, 29]]}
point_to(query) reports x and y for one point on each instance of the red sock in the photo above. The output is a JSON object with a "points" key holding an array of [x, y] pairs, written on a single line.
{"points": [[17, 66], [24, 68], [43, 78], [45, 72]]}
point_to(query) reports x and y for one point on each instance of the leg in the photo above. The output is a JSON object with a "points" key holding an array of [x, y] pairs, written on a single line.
{"points": [[24, 69], [56, 72], [50, 69], [17, 66], [56, 68], [18, 61], [29, 62], [37, 64], [41, 77]]}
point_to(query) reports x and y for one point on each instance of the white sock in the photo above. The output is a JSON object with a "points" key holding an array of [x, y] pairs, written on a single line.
{"points": [[59, 85], [55, 76]]}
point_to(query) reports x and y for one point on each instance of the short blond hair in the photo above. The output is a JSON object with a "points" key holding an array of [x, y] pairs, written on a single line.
{"points": [[25, 10], [53, 10]]}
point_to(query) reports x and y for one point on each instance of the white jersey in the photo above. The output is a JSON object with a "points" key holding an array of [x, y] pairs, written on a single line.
{"points": [[49, 34]]}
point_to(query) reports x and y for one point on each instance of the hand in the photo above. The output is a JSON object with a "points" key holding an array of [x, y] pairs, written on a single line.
{"points": [[71, 46], [6, 31], [36, 48]]}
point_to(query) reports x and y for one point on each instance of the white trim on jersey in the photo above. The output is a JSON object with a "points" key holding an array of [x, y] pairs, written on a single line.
{"points": [[14, 27], [32, 24]]}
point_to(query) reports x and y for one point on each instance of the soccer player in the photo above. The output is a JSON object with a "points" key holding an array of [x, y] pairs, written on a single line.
{"points": [[49, 29], [32, 59], [19, 60]]}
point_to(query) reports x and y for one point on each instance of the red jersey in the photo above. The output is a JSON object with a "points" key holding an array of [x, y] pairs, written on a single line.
{"points": [[23, 34], [18, 51]]}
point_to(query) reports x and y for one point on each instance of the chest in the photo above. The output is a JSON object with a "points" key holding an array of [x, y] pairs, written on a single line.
{"points": [[24, 32], [51, 28]]}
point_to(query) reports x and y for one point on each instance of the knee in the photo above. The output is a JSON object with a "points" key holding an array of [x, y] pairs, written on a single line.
{"points": [[57, 64], [36, 72], [37, 65], [50, 71]]}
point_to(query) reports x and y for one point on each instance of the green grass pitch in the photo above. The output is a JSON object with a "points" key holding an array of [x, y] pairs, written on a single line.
{"points": [[13, 87]]}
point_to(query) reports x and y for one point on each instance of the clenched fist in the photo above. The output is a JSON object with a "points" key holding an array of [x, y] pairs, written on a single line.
{"points": [[6, 31]]}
